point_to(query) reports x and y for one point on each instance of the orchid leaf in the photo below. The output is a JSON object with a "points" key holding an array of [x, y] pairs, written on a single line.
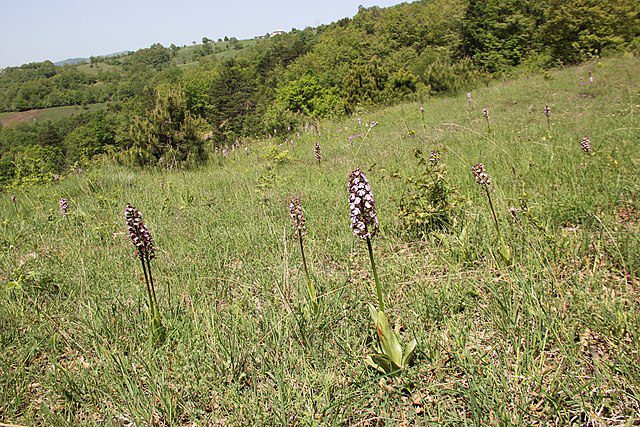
{"points": [[409, 353], [382, 363], [386, 337]]}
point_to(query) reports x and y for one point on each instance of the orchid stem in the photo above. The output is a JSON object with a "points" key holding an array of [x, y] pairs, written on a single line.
{"points": [[375, 275]]}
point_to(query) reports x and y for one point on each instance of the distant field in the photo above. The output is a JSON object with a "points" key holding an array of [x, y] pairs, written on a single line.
{"points": [[94, 69], [10, 119]]}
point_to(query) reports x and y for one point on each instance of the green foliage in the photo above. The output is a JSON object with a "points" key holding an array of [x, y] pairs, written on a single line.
{"points": [[275, 155], [306, 96], [167, 134], [430, 203], [391, 358], [499, 34], [577, 30]]}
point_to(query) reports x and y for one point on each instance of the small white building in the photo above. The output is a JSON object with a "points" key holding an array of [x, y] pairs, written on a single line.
{"points": [[278, 32]]}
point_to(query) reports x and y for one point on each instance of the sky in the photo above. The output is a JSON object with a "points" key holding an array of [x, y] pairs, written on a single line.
{"points": [[36, 30]]}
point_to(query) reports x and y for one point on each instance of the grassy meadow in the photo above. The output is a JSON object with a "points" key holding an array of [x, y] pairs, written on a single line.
{"points": [[53, 113], [550, 337]]}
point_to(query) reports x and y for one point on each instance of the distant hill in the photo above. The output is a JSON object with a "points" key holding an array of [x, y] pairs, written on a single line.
{"points": [[74, 61], [71, 61]]}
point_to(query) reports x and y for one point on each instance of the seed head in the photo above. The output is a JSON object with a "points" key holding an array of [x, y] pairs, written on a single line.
{"points": [[547, 110], [585, 144], [485, 113], [14, 200], [481, 176], [56, 178], [469, 97], [296, 214], [317, 152], [422, 110], [64, 206], [139, 233], [364, 220]]}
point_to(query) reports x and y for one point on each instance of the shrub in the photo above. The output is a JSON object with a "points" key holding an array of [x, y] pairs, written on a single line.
{"points": [[168, 132], [430, 203]]}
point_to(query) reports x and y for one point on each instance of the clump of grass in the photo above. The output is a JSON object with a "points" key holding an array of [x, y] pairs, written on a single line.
{"points": [[296, 214], [145, 251]]}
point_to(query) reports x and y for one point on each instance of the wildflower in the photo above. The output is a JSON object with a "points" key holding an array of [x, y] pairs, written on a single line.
{"points": [[585, 144], [297, 215], [56, 178], [547, 113], [139, 233], [481, 176], [225, 151], [469, 98], [434, 157], [317, 152], [64, 206], [350, 139], [359, 121], [364, 220], [422, 110], [14, 199], [145, 251], [246, 150], [485, 113]]}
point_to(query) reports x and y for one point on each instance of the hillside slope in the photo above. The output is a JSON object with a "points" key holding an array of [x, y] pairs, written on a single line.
{"points": [[551, 337]]}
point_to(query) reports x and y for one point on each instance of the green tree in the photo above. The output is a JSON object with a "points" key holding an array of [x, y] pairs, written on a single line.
{"points": [[579, 29], [167, 133], [499, 34]]}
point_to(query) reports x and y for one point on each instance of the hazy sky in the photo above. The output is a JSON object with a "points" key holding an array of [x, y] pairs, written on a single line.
{"points": [[35, 30]]}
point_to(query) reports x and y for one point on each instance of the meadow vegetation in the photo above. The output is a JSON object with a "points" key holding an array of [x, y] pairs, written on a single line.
{"points": [[531, 317]]}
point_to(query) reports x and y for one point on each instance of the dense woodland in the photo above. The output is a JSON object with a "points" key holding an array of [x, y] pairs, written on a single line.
{"points": [[179, 102]]}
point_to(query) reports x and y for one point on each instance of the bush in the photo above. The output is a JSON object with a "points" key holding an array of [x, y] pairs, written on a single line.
{"points": [[167, 134], [307, 96], [430, 203]]}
